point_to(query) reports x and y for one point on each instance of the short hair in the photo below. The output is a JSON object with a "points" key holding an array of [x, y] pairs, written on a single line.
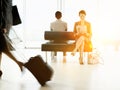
{"points": [[58, 14], [82, 12]]}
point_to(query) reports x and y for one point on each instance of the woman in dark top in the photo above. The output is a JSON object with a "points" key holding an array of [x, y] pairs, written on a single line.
{"points": [[5, 25]]}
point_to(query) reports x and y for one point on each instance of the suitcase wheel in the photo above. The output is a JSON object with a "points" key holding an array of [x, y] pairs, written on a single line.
{"points": [[42, 83]]}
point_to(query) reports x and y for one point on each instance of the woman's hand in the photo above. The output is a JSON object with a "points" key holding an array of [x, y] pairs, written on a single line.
{"points": [[76, 34], [87, 34], [4, 30]]}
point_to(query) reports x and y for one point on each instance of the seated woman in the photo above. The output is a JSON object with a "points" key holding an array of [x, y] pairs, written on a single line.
{"points": [[83, 35]]}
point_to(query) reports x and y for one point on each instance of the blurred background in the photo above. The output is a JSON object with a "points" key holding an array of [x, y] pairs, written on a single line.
{"points": [[36, 16]]}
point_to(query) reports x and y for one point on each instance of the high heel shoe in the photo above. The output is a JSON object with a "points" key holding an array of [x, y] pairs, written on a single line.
{"points": [[21, 66], [81, 60], [73, 54], [0, 73]]}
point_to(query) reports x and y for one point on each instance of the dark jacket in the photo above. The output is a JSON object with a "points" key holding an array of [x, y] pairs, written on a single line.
{"points": [[5, 21], [5, 14]]}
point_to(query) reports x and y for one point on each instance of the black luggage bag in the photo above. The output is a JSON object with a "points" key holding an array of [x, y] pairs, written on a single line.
{"points": [[41, 70]]}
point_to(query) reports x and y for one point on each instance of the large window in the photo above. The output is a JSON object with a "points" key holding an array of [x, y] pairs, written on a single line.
{"points": [[37, 15]]}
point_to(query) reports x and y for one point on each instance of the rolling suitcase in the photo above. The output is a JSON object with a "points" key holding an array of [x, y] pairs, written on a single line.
{"points": [[41, 70]]}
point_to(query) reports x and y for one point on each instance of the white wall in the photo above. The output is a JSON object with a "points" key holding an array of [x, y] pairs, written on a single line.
{"points": [[38, 17]]}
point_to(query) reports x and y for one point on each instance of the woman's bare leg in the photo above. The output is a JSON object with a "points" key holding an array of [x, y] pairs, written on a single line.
{"points": [[10, 55], [78, 44], [0, 59], [81, 53]]}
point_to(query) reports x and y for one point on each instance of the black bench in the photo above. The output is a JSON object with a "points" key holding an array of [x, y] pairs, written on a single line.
{"points": [[61, 42]]}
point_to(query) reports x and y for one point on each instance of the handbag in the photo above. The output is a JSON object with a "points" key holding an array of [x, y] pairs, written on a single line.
{"points": [[95, 57], [16, 16]]}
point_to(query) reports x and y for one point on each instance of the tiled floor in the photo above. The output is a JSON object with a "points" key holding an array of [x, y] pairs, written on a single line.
{"points": [[67, 76]]}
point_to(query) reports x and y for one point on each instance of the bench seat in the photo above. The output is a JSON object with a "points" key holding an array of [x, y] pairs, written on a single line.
{"points": [[61, 47], [61, 42]]}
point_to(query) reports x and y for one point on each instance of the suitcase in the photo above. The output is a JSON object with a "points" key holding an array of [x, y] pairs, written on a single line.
{"points": [[41, 70]]}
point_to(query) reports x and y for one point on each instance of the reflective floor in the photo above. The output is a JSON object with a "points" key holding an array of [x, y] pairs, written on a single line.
{"points": [[67, 76]]}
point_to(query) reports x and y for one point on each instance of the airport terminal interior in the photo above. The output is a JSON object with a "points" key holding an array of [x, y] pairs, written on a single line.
{"points": [[28, 37]]}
